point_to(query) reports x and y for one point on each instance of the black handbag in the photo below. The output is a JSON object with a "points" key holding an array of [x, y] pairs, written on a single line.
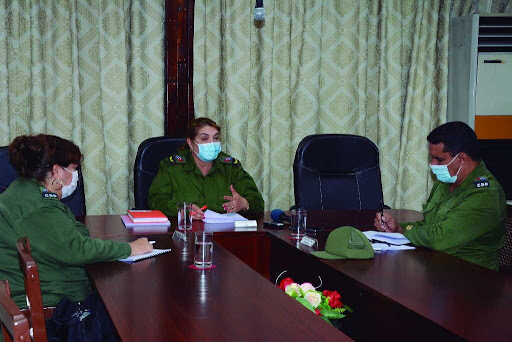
{"points": [[85, 321]]}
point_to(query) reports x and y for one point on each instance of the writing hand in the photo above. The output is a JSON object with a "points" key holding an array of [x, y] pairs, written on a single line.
{"points": [[197, 213], [236, 202], [140, 246], [386, 223]]}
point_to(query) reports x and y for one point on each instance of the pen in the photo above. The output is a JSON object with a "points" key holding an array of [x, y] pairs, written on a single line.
{"points": [[152, 242], [192, 213], [381, 214]]}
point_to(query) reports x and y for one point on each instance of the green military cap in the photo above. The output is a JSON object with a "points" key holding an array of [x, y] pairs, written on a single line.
{"points": [[346, 243]]}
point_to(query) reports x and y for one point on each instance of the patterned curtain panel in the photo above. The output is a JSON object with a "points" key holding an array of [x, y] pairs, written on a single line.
{"points": [[91, 71], [372, 68]]}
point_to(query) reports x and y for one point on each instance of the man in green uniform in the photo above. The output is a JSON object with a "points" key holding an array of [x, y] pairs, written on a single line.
{"points": [[180, 180], [465, 212]]}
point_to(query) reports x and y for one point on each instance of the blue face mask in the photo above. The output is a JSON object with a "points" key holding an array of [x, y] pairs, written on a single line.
{"points": [[209, 151], [442, 173]]}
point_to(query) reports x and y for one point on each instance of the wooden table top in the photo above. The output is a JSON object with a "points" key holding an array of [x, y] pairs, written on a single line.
{"points": [[162, 299], [466, 299], [462, 298]]}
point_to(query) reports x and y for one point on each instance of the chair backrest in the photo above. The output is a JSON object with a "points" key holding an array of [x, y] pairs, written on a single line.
{"points": [[337, 171], [151, 151], [32, 289], [76, 202], [14, 324], [506, 250]]}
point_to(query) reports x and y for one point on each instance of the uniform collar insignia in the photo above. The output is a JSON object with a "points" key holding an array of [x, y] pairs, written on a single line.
{"points": [[176, 159], [229, 160], [48, 194]]}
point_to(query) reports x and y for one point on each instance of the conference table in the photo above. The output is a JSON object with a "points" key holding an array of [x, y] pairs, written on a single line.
{"points": [[417, 294]]}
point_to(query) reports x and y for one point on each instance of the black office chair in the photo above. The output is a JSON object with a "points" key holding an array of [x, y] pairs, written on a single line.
{"points": [[506, 250], [151, 151], [337, 171], [76, 202]]}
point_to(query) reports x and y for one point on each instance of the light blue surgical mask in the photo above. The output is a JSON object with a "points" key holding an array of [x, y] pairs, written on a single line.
{"points": [[442, 173], [209, 151]]}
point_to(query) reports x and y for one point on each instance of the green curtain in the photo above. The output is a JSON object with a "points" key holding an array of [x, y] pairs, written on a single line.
{"points": [[91, 71], [372, 68]]}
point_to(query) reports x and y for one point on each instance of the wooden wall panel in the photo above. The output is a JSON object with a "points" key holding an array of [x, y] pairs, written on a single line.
{"points": [[179, 34]]}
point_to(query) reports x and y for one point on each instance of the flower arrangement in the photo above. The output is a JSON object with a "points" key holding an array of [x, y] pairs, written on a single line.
{"points": [[326, 304]]}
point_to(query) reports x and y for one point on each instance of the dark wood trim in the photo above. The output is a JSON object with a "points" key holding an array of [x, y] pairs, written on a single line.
{"points": [[179, 33]]}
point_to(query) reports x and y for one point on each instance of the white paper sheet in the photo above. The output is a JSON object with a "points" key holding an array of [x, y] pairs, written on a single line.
{"points": [[391, 238], [214, 217], [385, 247]]}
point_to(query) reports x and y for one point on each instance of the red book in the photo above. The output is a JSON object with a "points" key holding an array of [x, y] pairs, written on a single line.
{"points": [[147, 216]]}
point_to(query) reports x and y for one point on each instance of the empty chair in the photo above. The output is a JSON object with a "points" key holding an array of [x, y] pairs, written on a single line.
{"points": [[76, 202], [151, 151], [14, 324], [30, 272], [337, 171]]}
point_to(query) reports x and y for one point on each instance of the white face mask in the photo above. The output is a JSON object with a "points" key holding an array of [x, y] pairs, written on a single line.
{"points": [[67, 190]]}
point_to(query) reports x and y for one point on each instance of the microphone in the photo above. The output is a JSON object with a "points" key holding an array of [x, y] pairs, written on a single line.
{"points": [[259, 11], [279, 216]]}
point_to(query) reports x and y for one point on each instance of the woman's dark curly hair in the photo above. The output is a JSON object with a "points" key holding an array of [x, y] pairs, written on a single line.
{"points": [[33, 156]]}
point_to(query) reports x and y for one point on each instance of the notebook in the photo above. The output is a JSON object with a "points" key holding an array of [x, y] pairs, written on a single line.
{"points": [[155, 252], [144, 216], [130, 224]]}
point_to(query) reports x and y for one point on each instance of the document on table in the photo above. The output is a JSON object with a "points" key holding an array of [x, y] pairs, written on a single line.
{"points": [[214, 217], [390, 238], [386, 247], [155, 252]]}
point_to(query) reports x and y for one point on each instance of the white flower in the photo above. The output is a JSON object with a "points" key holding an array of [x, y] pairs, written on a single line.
{"points": [[305, 287], [314, 298], [292, 289]]}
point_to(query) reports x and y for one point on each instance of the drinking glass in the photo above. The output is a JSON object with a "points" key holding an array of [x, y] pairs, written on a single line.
{"points": [[184, 216], [203, 249], [298, 223]]}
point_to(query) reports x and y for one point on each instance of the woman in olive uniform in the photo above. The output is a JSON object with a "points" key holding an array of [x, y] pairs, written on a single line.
{"points": [[202, 175], [31, 207]]}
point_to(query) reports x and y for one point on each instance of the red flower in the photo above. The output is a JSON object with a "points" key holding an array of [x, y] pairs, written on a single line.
{"points": [[334, 298], [285, 282], [318, 312]]}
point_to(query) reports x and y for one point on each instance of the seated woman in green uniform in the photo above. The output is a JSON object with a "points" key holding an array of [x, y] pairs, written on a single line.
{"points": [[31, 207], [203, 175]]}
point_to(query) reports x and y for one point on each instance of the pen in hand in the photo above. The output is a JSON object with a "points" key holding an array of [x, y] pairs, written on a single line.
{"points": [[202, 208], [381, 214]]}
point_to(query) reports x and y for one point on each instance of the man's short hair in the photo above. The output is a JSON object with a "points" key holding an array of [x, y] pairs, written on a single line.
{"points": [[457, 137]]}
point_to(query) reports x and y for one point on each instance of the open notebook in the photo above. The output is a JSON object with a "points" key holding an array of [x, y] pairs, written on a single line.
{"points": [[145, 256]]}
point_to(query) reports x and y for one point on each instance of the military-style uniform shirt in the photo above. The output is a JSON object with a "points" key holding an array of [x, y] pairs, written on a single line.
{"points": [[180, 180], [467, 223], [60, 245]]}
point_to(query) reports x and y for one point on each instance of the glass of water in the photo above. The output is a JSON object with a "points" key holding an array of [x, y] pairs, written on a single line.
{"points": [[203, 249], [298, 223], [184, 216]]}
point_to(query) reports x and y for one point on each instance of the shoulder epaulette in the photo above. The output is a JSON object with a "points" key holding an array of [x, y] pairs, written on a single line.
{"points": [[48, 194], [481, 182], [230, 160], [176, 159]]}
